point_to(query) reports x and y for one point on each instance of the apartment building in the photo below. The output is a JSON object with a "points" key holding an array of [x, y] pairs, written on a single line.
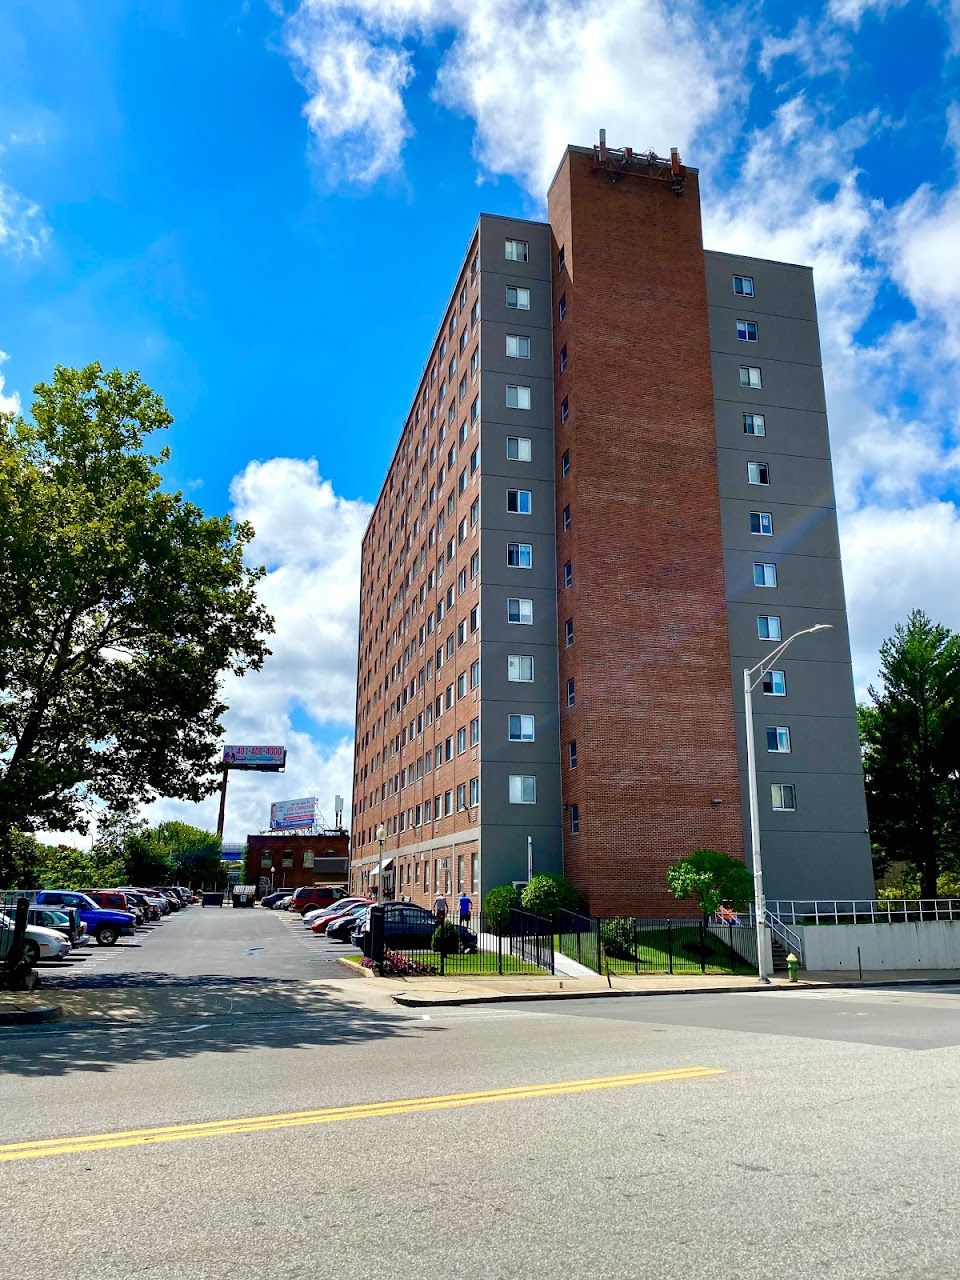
{"points": [[611, 493]]}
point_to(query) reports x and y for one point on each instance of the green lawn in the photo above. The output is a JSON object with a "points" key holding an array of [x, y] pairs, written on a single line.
{"points": [[457, 966], [654, 953]]}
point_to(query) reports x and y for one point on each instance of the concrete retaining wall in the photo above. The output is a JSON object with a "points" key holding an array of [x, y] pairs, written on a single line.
{"points": [[928, 945]]}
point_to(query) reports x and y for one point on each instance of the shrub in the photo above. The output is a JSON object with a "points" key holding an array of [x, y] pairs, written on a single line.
{"points": [[446, 939], [712, 878], [497, 906], [547, 894], [618, 938]]}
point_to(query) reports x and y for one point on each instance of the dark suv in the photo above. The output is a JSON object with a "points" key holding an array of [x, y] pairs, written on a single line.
{"points": [[316, 895]]}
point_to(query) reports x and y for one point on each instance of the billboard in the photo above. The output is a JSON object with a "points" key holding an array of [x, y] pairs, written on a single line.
{"points": [[289, 815], [266, 759]]}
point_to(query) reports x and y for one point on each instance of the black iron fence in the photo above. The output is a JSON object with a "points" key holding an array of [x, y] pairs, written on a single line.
{"points": [[629, 945], [407, 941]]}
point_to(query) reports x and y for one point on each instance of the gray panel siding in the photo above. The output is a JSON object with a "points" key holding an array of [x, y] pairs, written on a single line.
{"points": [[822, 849], [505, 827]]}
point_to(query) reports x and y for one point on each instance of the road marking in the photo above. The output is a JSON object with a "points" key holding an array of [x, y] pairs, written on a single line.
{"points": [[36, 1150]]}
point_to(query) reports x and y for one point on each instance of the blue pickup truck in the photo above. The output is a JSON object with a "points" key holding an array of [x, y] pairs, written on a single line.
{"points": [[103, 924]]}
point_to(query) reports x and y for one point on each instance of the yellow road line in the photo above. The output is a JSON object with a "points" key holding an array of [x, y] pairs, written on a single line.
{"points": [[327, 1115]]}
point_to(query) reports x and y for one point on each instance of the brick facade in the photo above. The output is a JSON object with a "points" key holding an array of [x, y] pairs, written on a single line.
{"points": [[298, 859], [656, 766]]}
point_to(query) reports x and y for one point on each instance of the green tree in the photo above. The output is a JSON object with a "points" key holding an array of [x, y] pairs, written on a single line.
{"points": [[121, 607], [546, 894], [194, 854], [910, 736], [497, 905], [712, 878], [63, 867]]}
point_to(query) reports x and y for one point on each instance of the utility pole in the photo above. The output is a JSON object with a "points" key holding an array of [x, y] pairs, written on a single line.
{"points": [[223, 799]]}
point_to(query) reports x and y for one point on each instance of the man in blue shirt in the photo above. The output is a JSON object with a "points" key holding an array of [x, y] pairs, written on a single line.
{"points": [[466, 906]]}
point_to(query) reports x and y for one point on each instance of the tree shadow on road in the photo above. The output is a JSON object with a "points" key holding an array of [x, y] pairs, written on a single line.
{"points": [[158, 1016]]}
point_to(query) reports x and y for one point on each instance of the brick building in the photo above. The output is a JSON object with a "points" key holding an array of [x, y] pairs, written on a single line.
{"points": [[295, 859], [564, 575]]}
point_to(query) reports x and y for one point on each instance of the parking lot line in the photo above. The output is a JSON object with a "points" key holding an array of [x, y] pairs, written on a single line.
{"points": [[65, 1146]]}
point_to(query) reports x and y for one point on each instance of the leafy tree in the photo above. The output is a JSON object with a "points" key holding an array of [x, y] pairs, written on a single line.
{"points": [[910, 735], [546, 894], [63, 867], [25, 854], [712, 878], [497, 906], [121, 606]]}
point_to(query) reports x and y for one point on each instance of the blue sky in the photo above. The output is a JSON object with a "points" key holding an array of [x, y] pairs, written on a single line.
{"points": [[239, 198]]}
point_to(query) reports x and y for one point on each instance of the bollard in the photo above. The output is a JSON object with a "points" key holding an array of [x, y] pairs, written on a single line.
{"points": [[793, 964]]}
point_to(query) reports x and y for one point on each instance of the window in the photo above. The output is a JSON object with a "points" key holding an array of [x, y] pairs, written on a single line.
{"points": [[747, 330], [519, 555], [520, 611], [774, 683], [768, 627], [523, 789], [561, 258], [516, 250], [563, 358], [461, 740], [568, 632], [565, 462], [562, 306], [758, 473], [778, 738], [750, 377], [518, 346], [574, 819], [474, 564], [475, 313], [754, 424], [475, 673], [519, 501], [783, 797], [572, 753], [743, 285], [519, 449], [474, 792], [520, 728], [518, 299], [461, 685], [475, 872], [461, 582], [761, 522], [518, 397], [565, 518], [520, 668], [462, 481], [474, 731], [447, 803], [571, 693], [474, 360], [448, 747], [764, 575]]}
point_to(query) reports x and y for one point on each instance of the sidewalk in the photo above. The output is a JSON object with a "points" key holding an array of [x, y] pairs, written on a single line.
{"points": [[436, 991]]}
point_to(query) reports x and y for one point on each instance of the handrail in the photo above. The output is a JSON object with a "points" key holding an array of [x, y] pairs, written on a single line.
{"points": [[863, 910], [791, 940]]}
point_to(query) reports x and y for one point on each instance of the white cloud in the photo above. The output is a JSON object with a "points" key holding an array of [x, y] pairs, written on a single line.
{"points": [[23, 230], [850, 13], [568, 68], [9, 401]]}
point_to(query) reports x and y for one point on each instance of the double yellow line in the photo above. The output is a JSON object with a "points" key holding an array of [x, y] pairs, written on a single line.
{"points": [[66, 1146]]}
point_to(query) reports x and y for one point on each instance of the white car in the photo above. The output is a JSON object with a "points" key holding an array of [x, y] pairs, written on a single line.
{"points": [[335, 908], [39, 944]]}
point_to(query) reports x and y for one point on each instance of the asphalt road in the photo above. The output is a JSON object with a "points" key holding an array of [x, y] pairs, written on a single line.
{"points": [[823, 1141]]}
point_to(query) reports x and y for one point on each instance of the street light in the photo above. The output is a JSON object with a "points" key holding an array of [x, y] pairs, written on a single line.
{"points": [[749, 684], [381, 836]]}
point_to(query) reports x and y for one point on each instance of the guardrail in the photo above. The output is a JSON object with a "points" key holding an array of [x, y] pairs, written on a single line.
{"points": [[863, 910]]}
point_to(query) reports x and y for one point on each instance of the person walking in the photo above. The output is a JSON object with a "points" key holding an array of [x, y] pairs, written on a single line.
{"points": [[440, 909], [466, 907]]}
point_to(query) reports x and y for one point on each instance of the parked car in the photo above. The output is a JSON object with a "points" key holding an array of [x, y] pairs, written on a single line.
{"points": [[115, 900], [67, 923], [316, 895], [322, 921], [39, 943], [311, 917], [341, 929], [149, 910], [273, 900], [171, 897], [407, 928], [106, 926], [158, 900]]}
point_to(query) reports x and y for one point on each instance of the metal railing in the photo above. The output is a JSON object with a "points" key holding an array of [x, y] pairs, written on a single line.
{"points": [[863, 910], [627, 944], [411, 945], [790, 940]]}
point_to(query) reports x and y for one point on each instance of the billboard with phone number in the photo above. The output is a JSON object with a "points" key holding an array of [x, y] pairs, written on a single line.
{"points": [[288, 815], [266, 759]]}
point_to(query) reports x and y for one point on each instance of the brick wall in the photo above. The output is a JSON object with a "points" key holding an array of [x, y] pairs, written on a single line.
{"points": [[653, 721]]}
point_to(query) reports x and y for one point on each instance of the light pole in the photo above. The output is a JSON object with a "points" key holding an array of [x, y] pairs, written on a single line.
{"points": [[749, 684], [381, 836]]}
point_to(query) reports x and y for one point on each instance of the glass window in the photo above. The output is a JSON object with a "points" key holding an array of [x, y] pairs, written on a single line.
{"points": [[563, 358], [516, 250], [518, 397], [461, 740], [474, 731], [562, 306], [768, 627], [571, 693], [774, 683], [574, 819], [519, 449], [783, 797], [764, 575], [747, 330], [520, 667], [520, 555], [778, 738], [520, 728], [754, 424], [743, 285], [568, 632], [758, 473], [520, 501], [475, 673], [474, 792], [761, 522], [572, 753], [750, 377], [568, 574], [518, 299], [565, 518], [564, 409], [523, 789], [520, 611], [518, 346]]}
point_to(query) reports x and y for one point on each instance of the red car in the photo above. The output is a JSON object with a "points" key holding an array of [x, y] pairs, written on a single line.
{"points": [[316, 895], [335, 913]]}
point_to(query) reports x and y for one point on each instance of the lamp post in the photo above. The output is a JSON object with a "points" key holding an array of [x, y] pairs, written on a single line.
{"points": [[749, 684], [381, 836]]}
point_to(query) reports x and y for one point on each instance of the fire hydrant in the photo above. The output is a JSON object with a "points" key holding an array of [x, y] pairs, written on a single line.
{"points": [[793, 965]]}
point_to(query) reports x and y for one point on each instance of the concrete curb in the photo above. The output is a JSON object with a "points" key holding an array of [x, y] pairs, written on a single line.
{"points": [[421, 1002], [28, 1017]]}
